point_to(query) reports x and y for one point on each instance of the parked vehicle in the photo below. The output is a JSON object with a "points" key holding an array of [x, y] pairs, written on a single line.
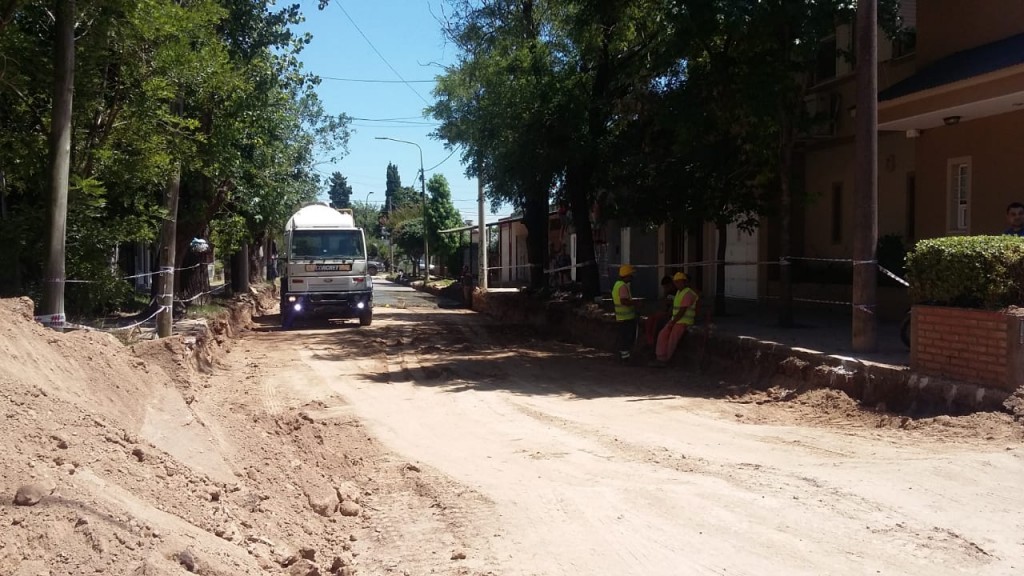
{"points": [[325, 267]]}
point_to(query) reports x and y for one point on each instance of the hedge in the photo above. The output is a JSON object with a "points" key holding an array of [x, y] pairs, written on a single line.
{"points": [[968, 271]]}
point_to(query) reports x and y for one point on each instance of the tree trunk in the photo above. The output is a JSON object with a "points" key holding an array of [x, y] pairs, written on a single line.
{"points": [[240, 270], [168, 256], [193, 278], [786, 222], [577, 185], [723, 236], [60, 161], [535, 217]]}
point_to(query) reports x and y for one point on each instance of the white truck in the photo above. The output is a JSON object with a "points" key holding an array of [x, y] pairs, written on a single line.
{"points": [[325, 267]]}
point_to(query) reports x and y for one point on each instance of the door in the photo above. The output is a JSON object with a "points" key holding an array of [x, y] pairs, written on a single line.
{"points": [[741, 280]]}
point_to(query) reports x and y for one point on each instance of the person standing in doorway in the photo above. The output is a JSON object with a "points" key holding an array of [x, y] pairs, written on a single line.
{"points": [[625, 312], [684, 313], [1015, 218]]}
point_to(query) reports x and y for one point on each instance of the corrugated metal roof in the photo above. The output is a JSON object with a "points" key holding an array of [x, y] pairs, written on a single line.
{"points": [[961, 66]]}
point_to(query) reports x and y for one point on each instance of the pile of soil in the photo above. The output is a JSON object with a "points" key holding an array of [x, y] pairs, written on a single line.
{"points": [[105, 467]]}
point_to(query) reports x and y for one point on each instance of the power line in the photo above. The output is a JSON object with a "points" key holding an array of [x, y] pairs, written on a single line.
{"points": [[454, 150], [385, 60], [409, 122], [375, 81]]}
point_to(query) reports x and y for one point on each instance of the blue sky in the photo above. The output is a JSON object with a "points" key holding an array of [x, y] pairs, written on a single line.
{"points": [[407, 34]]}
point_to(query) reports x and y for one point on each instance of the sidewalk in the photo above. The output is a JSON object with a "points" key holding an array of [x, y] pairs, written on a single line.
{"points": [[824, 330]]}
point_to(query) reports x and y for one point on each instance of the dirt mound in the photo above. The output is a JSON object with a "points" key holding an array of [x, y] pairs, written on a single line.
{"points": [[830, 407], [93, 433]]}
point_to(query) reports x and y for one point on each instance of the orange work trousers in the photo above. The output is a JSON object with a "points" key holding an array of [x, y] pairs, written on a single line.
{"points": [[668, 339]]}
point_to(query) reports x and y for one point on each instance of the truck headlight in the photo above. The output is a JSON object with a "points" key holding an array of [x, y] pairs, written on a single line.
{"points": [[360, 305], [298, 307], [292, 298]]}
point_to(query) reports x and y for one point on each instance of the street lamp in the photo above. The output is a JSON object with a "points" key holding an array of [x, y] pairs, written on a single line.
{"points": [[423, 192], [367, 201]]}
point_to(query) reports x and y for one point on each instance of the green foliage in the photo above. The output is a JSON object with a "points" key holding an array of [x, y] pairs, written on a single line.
{"points": [[442, 215], [249, 134], [340, 191], [968, 271]]}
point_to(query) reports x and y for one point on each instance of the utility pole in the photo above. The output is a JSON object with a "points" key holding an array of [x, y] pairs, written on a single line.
{"points": [[168, 236], [426, 233], [482, 247], [865, 267], [60, 164]]}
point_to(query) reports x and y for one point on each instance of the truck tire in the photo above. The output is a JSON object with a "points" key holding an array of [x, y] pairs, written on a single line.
{"points": [[366, 318]]}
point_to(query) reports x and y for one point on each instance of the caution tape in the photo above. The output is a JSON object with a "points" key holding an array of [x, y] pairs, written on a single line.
{"points": [[200, 295], [893, 276]]}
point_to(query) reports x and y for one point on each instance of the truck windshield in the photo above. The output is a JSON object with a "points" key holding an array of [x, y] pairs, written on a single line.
{"points": [[327, 244]]}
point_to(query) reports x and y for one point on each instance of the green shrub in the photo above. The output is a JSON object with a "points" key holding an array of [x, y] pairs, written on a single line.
{"points": [[968, 271]]}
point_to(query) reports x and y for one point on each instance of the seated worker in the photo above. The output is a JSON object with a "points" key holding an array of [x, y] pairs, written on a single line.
{"points": [[684, 313], [655, 322]]}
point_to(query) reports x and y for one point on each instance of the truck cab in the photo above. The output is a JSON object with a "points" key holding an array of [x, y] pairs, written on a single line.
{"points": [[325, 267]]}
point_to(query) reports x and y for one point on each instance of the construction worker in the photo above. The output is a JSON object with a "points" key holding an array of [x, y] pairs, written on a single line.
{"points": [[684, 313], [625, 311]]}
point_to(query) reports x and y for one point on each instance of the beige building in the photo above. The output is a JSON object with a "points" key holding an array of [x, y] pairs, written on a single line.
{"points": [[951, 129]]}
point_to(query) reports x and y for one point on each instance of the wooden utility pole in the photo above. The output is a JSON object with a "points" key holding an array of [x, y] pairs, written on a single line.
{"points": [[60, 163], [865, 268]]}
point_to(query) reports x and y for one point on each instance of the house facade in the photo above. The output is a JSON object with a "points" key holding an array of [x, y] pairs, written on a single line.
{"points": [[950, 121]]}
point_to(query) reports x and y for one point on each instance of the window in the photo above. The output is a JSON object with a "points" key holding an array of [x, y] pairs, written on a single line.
{"points": [[327, 244], [825, 62], [837, 212], [959, 195]]}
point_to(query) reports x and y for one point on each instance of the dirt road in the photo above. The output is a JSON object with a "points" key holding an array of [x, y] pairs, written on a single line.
{"points": [[536, 459]]}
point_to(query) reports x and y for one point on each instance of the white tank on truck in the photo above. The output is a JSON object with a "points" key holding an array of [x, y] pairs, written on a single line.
{"points": [[324, 270]]}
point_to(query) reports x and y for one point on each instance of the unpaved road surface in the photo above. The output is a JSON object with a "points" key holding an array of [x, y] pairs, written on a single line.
{"points": [[537, 458]]}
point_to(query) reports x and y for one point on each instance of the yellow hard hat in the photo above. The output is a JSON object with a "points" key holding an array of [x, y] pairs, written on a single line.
{"points": [[680, 276], [625, 270]]}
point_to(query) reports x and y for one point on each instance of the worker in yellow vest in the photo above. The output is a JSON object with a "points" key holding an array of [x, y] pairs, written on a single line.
{"points": [[625, 311], [684, 313]]}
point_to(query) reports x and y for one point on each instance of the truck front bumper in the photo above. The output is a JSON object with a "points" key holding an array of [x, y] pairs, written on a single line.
{"points": [[350, 304]]}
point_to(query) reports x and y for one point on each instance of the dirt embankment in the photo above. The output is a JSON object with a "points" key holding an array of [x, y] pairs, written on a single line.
{"points": [[126, 460]]}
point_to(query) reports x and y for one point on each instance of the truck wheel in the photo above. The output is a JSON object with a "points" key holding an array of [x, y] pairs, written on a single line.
{"points": [[366, 318]]}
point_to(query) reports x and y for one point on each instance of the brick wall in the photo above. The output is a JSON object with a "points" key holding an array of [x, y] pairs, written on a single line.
{"points": [[975, 346]]}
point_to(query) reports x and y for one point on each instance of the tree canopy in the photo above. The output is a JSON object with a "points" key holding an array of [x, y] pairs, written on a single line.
{"points": [[249, 132], [340, 191], [681, 111]]}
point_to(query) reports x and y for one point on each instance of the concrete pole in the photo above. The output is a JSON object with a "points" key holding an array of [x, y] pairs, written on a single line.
{"points": [[482, 232], [865, 268], [60, 164]]}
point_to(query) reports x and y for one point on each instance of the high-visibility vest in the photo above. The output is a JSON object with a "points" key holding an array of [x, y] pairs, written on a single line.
{"points": [[622, 311], [690, 316]]}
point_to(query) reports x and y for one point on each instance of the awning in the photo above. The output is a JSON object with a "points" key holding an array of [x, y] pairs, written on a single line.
{"points": [[979, 82]]}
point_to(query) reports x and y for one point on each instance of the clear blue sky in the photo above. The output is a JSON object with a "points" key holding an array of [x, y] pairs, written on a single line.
{"points": [[408, 36]]}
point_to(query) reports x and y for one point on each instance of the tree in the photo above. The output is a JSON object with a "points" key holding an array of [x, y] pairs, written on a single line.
{"points": [[249, 134], [407, 233], [503, 103], [442, 215], [340, 192]]}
